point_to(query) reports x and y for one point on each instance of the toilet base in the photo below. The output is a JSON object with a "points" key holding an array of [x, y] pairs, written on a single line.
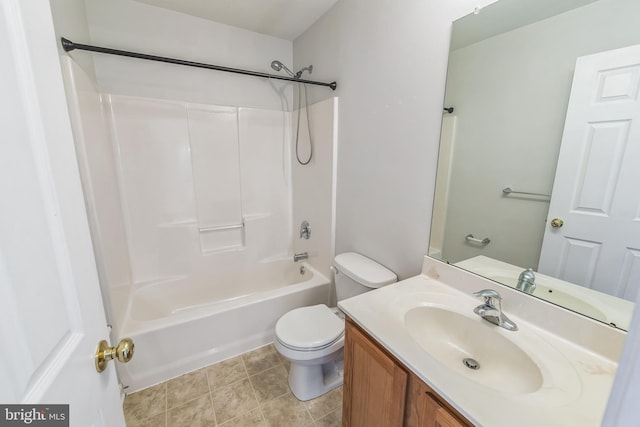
{"points": [[310, 381]]}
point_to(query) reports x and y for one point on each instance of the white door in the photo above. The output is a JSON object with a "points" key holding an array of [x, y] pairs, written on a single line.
{"points": [[51, 314], [596, 192]]}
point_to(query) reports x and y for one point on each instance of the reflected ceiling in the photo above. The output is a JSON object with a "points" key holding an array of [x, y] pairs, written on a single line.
{"points": [[509, 16]]}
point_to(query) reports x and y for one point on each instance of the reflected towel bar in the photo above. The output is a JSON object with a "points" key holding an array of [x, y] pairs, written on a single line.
{"points": [[508, 191], [68, 46], [222, 227], [483, 242]]}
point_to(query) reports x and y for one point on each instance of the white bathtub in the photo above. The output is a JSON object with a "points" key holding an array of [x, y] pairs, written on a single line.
{"points": [[179, 326]]}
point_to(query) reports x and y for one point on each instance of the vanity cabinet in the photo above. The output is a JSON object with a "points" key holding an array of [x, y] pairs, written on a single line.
{"points": [[375, 386], [380, 391]]}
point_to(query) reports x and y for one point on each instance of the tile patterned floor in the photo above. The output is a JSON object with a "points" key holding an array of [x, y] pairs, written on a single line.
{"points": [[248, 390]]}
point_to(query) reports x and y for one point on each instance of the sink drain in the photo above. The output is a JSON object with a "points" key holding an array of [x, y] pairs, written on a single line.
{"points": [[471, 363]]}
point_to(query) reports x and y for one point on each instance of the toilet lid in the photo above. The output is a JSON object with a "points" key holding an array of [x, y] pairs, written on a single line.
{"points": [[309, 328]]}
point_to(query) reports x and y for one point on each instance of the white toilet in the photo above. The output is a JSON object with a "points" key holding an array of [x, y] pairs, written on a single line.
{"points": [[312, 338]]}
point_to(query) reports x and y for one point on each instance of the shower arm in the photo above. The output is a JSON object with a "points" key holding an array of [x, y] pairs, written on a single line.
{"points": [[68, 46]]}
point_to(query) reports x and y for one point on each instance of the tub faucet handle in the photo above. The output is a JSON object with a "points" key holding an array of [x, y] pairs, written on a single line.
{"points": [[305, 230]]}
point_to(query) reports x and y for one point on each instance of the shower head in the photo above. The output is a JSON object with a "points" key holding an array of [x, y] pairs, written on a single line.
{"points": [[309, 69], [277, 65]]}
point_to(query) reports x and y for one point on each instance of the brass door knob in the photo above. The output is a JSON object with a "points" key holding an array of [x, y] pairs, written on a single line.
{"points": [[122, 353], [557, 223]]}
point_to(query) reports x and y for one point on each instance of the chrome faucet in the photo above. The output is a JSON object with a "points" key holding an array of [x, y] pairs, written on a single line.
{"points": [[491, 310], [300, 256], [527, 281]]}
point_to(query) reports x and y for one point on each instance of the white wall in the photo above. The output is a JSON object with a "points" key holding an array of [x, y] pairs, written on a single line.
{"points": [[509, 132], [389, 59], [130, 25]]}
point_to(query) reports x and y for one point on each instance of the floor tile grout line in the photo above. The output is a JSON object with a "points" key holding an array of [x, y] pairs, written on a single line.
{"points": [[213, 408], [215, 417], [255, 395], [313, 420], [166, 404], [155, 414], [272, 366], [185, 402], [321, 396]]}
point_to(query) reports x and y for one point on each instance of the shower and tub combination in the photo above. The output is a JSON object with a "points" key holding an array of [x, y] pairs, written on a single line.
{"points": [[195, 212]]}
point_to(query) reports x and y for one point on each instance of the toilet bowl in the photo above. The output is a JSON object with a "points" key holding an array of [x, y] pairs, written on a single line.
{"points": [[312, 338]]}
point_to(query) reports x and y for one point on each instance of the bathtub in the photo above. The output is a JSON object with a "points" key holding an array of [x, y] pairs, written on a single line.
{"points": [[179, 325]]}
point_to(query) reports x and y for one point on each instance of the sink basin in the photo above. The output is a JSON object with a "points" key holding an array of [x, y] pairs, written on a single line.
{"points": [[473, 348]]}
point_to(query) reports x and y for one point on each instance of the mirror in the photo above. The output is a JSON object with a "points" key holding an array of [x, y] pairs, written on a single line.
{"points": [[511, 68]]}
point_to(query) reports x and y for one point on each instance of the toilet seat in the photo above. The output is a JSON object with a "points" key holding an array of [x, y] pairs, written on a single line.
{"points": [[309, 328]]}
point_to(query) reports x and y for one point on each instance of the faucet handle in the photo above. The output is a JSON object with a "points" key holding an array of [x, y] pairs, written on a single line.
{"points": [[489, 295]]}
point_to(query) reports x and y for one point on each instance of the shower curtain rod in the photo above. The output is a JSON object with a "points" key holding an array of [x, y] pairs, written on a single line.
{"points": [[68, 46]]}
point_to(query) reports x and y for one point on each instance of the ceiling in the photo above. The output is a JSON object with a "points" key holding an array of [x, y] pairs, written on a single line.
{"points": [[285, 19]]}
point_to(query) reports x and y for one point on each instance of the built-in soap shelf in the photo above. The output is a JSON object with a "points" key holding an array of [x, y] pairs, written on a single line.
{"points": [[221, 227], [222, 238], [178, 224]]}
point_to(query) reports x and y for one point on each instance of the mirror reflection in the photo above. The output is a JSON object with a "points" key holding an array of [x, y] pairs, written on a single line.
{"points": [[537, 184]]}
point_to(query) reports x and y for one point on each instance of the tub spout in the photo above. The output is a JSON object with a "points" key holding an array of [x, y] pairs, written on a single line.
{"points": [[300, 256]]}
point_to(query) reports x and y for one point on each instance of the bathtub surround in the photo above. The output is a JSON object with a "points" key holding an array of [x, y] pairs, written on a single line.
{"points": [[199, 179], [314, 184], [102, 198], [197, 231]]}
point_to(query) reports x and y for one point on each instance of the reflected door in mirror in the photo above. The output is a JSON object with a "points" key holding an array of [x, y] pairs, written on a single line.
{"points": [[597, 177]]}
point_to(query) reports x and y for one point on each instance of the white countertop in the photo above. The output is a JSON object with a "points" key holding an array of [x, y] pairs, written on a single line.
{"points": [[578, 374]]}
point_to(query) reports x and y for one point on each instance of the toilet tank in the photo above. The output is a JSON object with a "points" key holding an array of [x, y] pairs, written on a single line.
{"points": [[357, 274]]}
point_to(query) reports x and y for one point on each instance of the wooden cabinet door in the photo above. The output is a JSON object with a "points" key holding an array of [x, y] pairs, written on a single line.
{"points": [[374, 384], [425, 409], [439, 416]]}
